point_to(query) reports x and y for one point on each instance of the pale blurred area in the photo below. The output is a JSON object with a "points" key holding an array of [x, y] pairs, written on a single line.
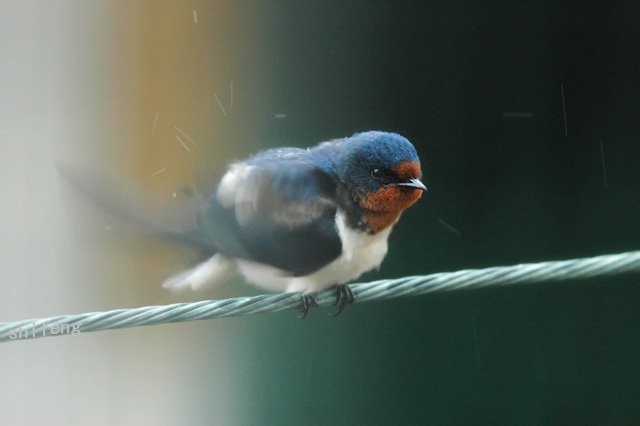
{"points": [[143, 92]]}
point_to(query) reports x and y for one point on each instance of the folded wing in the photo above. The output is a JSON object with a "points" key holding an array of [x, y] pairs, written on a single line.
{"points": [[277, 208]]}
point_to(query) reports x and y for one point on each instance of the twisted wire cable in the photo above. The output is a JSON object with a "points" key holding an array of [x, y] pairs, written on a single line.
{"points": [[573, 269]]}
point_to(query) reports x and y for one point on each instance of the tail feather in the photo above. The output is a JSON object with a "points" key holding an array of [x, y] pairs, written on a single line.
{"points": [[173, 221]]}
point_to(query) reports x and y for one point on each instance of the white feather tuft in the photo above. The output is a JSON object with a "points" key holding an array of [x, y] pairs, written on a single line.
{"points": [[213, 271]]}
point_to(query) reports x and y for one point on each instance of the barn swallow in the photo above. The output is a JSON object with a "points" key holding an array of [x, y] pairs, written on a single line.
{"points": [[305, 220]]}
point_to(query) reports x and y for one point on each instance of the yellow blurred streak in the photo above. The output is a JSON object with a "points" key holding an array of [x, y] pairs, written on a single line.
{"points": [[166, 75], [170, 76]]}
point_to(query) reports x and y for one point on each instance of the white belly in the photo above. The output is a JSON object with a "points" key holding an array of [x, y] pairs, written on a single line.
{"points": [[361, 252]]}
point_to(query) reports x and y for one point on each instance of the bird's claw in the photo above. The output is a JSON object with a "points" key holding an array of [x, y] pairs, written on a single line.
{"points": [[344, 297], [307, 301]]}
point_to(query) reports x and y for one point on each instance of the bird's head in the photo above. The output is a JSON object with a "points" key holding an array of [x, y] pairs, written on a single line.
{"points": [[381, 171]]}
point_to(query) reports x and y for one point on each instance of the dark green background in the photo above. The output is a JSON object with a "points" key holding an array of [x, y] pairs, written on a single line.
{"points": [[516, 189]]}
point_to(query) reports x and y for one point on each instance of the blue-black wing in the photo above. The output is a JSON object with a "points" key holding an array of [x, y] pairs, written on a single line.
{"points": [[277, 208]]}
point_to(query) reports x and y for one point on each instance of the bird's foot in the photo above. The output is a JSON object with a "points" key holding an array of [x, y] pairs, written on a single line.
{"points": [[307, 301], [344, 297]]}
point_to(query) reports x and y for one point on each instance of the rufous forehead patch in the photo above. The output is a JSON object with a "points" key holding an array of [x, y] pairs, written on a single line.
{"points": [[408, 170]]}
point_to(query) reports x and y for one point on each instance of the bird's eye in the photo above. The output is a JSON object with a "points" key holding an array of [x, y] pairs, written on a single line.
{"points": [[377, 173]]}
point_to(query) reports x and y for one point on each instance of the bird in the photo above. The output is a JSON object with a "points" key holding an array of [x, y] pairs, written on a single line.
{"points": [[285, 219], [305, 220]]}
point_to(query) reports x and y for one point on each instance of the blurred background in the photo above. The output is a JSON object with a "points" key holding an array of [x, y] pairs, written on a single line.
{"points": [[526, 118]]}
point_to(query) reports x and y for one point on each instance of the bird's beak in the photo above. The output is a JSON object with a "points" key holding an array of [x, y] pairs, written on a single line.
{"points": [[413, 183]]}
